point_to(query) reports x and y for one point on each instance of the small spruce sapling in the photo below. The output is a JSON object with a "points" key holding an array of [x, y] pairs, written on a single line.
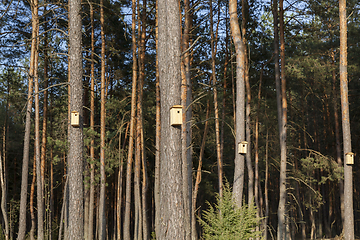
{"points": [[224, 221]]}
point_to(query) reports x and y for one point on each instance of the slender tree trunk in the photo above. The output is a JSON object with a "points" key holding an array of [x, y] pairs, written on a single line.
{"points": [[157, 137], [216, 108], [3, 182], [198, 172], [337, 137], [44, 128], [102, 218], [186, 93], [25, 166], [138, 152], [87, 163], [266, 185], [283, 129], [52, 210], [44, 124], [172, 212], [281, 105], [119, 189], [348, 179], [240, 99], [145, 210], [90, 233], [75, 156], [247, 108], [32, 212], [126, 229], [137, 166], [145, 229], [63, 217], [257, 188], [226, 65], [39, 180], [3, 167]]}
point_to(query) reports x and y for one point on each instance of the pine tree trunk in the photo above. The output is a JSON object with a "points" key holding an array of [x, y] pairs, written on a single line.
{"points": [[226, 63], [52, 210], [138, 153], [4, 195], [44, 126], [32, 212], [238, 187], [75, 137], [119, 188], [282, 131], [281, 106], [257, 188], [172, 212], [337, 137], [102, 218], [25, 166], [187, 113], [145, 228], [216, 108], [266, 186], [247, 108], [126, 229], [348, 179], [144, 190], [90, 233], [3, 167], [157, 137], [39, 180], [198, 172]]}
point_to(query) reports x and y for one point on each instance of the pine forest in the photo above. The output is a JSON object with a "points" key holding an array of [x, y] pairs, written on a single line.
{"points": [[179, 119]]}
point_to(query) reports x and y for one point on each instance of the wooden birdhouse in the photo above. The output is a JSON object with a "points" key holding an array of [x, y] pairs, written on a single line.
{"points": [[176, 115], [242, 148], [349, 158], [75, 119]]}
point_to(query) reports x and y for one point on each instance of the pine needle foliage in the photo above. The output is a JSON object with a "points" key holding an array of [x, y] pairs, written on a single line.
{"points": [[224, 221]]}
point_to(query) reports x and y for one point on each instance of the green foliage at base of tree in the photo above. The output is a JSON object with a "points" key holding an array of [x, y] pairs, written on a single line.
{"points": [[225, 221]]}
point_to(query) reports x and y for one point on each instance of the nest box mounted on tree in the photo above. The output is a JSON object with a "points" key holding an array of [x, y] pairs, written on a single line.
{"points": [[349, 158], [75, 119], [242, 148], [176, 115]]}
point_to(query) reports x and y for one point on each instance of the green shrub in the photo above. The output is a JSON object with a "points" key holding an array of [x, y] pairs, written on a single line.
{"points": [[225, 221]]}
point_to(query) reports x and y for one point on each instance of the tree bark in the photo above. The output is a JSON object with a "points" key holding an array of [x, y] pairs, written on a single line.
{"points": [[337, 137], [266, 185], [198, 172], [126, 229], [39, 180], [158, 136], [247, 108], [257, 188], [238, 187], [172, 210], [216, 108], [282, 116], [348, 185], [90, 233], [145, 227], [4, 196], [32, 212], [102, 218], [44, 127], [119, 188], [75, 138], [25, 166], [186, 94]]}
